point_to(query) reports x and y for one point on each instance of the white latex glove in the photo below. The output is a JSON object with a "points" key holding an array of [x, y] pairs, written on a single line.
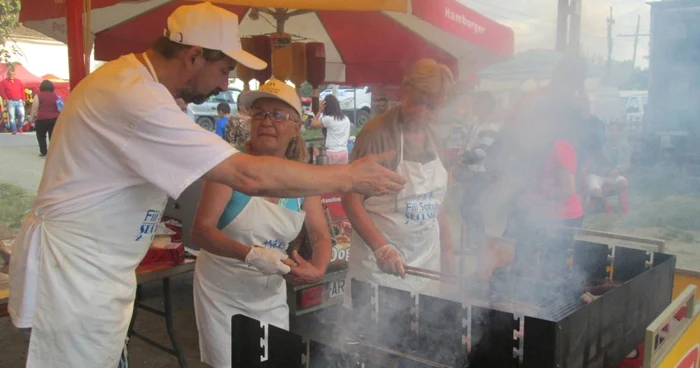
{"points": [[268, 261], [390, 260]]}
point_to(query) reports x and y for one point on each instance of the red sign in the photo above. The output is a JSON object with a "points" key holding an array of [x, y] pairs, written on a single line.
{"points": [[310, 297], [342, 230], [690, 360]]}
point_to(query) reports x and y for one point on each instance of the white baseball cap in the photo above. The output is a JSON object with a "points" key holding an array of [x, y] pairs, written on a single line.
{"points": [[210, 27], [275, 89]]}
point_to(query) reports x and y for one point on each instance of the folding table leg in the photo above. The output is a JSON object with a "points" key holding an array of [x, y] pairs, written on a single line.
{"points": [[169, 323]]}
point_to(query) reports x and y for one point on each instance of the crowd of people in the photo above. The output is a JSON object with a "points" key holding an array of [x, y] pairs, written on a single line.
{"points": [[44, 107], [559, 161], [124, 143]]}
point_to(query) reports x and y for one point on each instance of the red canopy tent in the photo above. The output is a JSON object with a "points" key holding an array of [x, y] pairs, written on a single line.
{"points": [[33, 82], [367, 42]]}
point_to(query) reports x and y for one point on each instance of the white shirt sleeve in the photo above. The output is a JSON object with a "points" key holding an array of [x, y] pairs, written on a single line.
{"points": [[169, 150], [328, 121]]}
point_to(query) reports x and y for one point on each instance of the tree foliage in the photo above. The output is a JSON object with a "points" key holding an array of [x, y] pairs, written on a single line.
{"points": [[9, 20]]}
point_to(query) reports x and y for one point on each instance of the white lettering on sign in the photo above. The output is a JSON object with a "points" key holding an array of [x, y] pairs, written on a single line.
{"points": [[339, 254], [463, 20], [336, 288], [330, 200]]}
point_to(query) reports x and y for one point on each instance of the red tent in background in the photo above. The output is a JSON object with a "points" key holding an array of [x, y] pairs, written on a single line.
{"points": [[33, 82], [50, 77]]}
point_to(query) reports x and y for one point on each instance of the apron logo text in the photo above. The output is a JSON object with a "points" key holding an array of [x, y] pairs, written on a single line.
{"points": [[275, 244], [150, 222], [422, 209]]}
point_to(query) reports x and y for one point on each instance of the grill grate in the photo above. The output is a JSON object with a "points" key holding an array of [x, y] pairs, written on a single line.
{"points": [[547, 300]]}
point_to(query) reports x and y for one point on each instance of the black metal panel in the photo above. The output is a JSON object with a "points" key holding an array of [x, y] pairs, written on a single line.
{"points": [[615, 322], [396, 309], [284, 349], [629, 263], [591, 260], [363, 308], [492, 339], [539, 349], [441, 330]]}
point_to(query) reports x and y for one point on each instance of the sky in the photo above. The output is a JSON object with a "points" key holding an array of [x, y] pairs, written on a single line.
{"points": [[534, 24]]}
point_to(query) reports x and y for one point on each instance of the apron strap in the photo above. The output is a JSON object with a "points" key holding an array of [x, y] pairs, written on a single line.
{"points": [[150, 67], [401, 144]]}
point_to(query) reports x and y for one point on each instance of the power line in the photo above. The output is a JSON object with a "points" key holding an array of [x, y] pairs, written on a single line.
{"points": [[538, 22]]}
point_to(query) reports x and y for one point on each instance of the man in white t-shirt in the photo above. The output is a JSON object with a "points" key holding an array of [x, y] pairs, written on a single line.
{"points": [[120, 147], [337, 130]]}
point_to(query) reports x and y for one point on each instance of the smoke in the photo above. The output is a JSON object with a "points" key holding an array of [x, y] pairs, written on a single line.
{"points": [[510, 179]]}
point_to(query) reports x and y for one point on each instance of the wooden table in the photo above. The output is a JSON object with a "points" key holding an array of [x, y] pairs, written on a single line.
{"points": [[162, 273]]}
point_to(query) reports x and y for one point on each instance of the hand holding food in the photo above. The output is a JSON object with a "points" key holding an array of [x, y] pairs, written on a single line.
{"points": [[304, 272], [268, 261], [390, 260], [370, 178]]}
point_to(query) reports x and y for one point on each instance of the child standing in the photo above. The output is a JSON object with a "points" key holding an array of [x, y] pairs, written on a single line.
{"points": [[224, 111]]}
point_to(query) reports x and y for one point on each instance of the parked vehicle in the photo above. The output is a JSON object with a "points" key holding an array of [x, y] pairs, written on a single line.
{"points": [[205, 114], [347, 95], [635, 103]]}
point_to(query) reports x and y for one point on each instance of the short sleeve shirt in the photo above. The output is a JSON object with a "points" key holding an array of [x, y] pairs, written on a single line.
{"points": [[337, 133], [121, 132], [563, 156], [383, 133]]}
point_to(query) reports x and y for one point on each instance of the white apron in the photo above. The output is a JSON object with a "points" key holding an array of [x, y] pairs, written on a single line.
{"points": [[409, 222], [225, 286], [72, 277]]}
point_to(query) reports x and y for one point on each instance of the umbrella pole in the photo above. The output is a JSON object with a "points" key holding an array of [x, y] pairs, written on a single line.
{"points": [[76, 47]]}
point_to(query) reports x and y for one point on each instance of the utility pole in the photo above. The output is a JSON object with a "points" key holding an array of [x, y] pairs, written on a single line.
{"points": [[636, 41], [575, 27], [562, 25], [636, 36], [611, 22]]}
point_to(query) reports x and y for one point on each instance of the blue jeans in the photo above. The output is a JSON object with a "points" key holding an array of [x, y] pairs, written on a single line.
{"points": [[15, 110]]}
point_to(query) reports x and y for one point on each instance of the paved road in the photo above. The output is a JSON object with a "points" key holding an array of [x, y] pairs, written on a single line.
{"points": [[20, 163]]}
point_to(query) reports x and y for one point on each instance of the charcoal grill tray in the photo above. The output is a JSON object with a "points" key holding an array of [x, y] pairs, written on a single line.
{"points": [[554, 301]]}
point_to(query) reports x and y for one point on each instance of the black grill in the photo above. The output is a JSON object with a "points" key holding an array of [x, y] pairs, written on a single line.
{"points": [[553, 301], [397, 329]]}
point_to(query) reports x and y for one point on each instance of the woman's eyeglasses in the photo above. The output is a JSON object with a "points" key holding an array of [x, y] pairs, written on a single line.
{"points": [[277, 116]]}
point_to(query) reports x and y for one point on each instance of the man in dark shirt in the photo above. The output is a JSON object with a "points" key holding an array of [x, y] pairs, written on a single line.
{"points": [[12, 92]]}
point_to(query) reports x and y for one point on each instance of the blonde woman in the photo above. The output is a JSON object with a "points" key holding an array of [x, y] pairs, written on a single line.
{"points": [[410, 228], [243, 264]]}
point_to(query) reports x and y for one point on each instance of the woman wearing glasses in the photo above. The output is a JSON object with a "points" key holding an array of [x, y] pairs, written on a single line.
{"points": [[243, 264], [410, 228]]}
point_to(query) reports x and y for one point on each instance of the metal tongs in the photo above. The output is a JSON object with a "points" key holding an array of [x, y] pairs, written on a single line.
{"points": [[430, 274]]}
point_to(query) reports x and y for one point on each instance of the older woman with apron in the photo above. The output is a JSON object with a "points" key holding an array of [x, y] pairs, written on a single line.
{"points": [[410, 228], [243, 263]]}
